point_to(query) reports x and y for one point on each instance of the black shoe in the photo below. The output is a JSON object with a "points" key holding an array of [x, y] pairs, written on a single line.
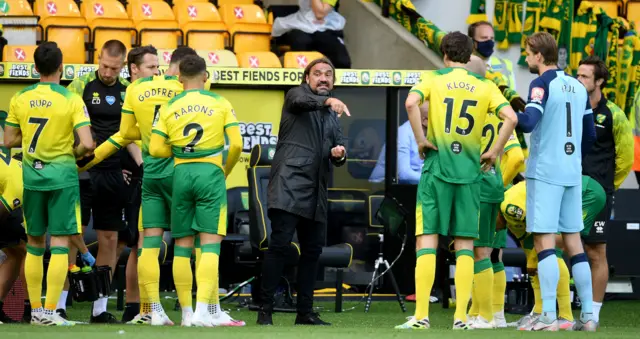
{"points": [[26, 316], [310, 319], [62, 313], [264, 317], [131, 310], [104, 318]]}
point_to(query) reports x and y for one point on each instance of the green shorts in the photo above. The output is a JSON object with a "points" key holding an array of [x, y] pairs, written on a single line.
{"points": [[500, 239], [594, 199], [156, 202], [447, 209], [57, 211], [199, 200], [487, 229]]}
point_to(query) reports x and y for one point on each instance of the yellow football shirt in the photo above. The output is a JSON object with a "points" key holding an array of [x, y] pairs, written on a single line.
{"points": [[514, 209], [194, 123], [458, 104], [47, 114], [143, 99], [10, 181]]}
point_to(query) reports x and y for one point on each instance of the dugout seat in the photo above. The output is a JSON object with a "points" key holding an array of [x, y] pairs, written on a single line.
{"points": [[218, 58], [337, 256], [300, 59], [258, 60], [108, 20], [234, 2], [61, 22], [248, 28], [17, 53], [156, 24], [201, 25], [611, 7]]}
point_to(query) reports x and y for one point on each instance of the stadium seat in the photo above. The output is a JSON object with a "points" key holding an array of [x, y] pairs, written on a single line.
{"points": [[201, 25], [248, 27], [61, 22], [300, 59], [108, 20], [218, 58], [156, 24], [258, 60], [164, 56], [17, 53], [633, 12], [611, 7], [234, 2], [337, 256]]}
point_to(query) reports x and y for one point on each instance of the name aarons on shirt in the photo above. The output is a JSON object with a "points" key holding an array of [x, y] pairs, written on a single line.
{"points": [[153, 92], [194, 109], [257, 133], [349, 77]]}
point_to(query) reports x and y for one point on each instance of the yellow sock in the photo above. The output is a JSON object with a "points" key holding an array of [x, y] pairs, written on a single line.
{"points": [[207, 272], [182, 275], [149, 268], [483, 284], [34, 271], [56, 275], [564, 293], [198, 256], [145, 306], [499, 287], [464, 283], [425, 276], [537, 295], [474, 310], [215, 296]]}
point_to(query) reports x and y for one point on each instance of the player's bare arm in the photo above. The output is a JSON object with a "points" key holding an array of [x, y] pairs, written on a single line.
{"points": [[12, 136], [135, 152], [412, 104], [86, 143], [510, 120]]}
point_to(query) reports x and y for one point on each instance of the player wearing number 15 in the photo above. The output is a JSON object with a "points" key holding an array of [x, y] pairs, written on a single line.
{"points": [[459, 103], [191, 128], [42, 117], [559, 117]]}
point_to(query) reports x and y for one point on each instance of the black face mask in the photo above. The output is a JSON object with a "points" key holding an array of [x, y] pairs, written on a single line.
{"points": [[485, 48]]}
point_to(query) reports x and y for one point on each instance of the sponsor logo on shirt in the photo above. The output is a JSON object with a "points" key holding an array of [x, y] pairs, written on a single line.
{"points": [[16, 203], [96, 98], [515, 211], [110, 99], [537, 93]]}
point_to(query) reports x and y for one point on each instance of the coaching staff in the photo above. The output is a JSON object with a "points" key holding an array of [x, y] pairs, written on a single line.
{"points": [[309, 141]]}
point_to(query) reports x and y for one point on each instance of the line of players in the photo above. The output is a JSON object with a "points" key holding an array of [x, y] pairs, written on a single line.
{"points": [[181, 125], [460, 186]]}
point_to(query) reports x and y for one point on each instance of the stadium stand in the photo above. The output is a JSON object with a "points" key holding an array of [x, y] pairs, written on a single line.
{"points": [[248, 27], [201, 25], [62, 22], [156, 24], [611, 7], [18, 53], [108, 20], [258, 60], [300, 59], [218, 58], [234, 2]]}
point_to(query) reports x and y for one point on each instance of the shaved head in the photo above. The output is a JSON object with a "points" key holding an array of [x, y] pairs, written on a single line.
{"points": [[476, 65]]}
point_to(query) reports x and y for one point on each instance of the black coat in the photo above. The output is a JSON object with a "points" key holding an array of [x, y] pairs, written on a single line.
{"points": [[302, 162]]}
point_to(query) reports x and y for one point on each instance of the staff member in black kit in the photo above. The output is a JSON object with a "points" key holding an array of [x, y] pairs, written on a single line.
{"points": [[103, 93], [309, 141], [609, 163]]}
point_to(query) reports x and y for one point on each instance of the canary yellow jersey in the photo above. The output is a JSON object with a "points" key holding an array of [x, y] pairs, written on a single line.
{"points": [[47, 114], [491, 189], [458, 104], [143, 99], [10, 180], [194, 123], [514, 209]]}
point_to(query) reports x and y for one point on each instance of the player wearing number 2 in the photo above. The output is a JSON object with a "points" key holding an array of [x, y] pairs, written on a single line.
{"points": [[192, 128], [142, 103], [459, 103], [559, 117], [42, 117]]}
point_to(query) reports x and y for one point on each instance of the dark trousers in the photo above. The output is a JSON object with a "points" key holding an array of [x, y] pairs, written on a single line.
{"points": [[311, 238], [329, 43]]}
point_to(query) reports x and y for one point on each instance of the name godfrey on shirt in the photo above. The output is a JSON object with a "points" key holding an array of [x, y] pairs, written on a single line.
{"points": [[154, 92]]}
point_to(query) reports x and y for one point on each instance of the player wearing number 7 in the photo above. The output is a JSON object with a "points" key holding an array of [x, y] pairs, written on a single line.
{"points": [[191, 128], [42, 117], [559, 117], [448, 200]]}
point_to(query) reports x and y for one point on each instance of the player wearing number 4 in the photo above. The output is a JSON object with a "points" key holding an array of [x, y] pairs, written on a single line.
{"points": [[448, 200], [559, 117], [42, 117], [193, 124]]}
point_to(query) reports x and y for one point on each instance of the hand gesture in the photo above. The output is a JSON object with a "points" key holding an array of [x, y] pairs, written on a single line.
{"points": [[338, 152], [487, 160], [424, 146], [338, 106]]}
